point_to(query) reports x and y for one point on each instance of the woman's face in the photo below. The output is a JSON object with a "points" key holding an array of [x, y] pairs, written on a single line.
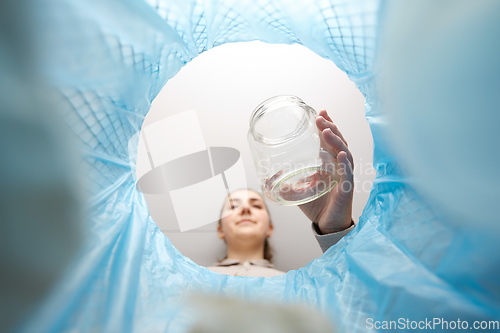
{"points": [[244, 215]]}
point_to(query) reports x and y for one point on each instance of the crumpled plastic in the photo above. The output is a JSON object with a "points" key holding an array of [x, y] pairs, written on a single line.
{"points": [[109, 59]]}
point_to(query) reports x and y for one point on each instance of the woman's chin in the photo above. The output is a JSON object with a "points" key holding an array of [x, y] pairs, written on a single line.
{"points": [[248, 231]]}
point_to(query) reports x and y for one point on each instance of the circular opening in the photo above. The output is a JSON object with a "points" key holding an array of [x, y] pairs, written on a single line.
{"points": [[222, 88]]}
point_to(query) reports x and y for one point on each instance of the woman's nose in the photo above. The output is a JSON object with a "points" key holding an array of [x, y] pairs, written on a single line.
{"points": [[245, 208]]}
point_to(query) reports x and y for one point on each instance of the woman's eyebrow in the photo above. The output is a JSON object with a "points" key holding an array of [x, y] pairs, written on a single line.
{"points": [[250, 199], [233, 201]]}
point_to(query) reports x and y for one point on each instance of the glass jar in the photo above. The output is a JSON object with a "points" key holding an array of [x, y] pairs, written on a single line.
{"points": [[291, 166]]}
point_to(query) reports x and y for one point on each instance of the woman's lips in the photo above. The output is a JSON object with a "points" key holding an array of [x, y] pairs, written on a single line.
{"points": [[245, 221]]}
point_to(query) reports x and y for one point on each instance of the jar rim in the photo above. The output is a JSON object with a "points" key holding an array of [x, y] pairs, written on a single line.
{"points": [[275, 103], [262, 107]]}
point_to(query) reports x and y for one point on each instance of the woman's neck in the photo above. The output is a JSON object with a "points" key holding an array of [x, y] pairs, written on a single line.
{"points": [[244, 254]]}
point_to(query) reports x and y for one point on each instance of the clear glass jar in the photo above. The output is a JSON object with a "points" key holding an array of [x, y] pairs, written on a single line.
{"points": [[291, 166]]}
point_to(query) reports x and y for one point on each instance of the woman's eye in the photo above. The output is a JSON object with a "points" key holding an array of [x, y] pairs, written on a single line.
{"points": [[257, 206]]}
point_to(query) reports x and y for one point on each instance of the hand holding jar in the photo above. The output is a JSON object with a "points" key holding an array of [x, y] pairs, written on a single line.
{"points": [[333, 211], [300, 158]]}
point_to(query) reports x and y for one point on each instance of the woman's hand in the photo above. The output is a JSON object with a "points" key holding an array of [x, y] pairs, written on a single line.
{"points": [[333, 211]]}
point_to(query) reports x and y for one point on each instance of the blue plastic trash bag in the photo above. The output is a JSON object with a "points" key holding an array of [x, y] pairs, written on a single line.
{"points": [[407, 261]]}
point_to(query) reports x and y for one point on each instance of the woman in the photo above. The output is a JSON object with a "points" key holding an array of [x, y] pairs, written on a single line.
{"points": [[245, 225]]}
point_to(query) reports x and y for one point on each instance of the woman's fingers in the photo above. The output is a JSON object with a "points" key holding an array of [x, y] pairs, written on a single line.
{"points": [[331, 138], [346, 182], [324, 121], [334, 144], [325, 115]]}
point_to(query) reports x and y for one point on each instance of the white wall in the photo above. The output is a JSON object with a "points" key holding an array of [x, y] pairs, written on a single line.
{"points": [[224, 85]]}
